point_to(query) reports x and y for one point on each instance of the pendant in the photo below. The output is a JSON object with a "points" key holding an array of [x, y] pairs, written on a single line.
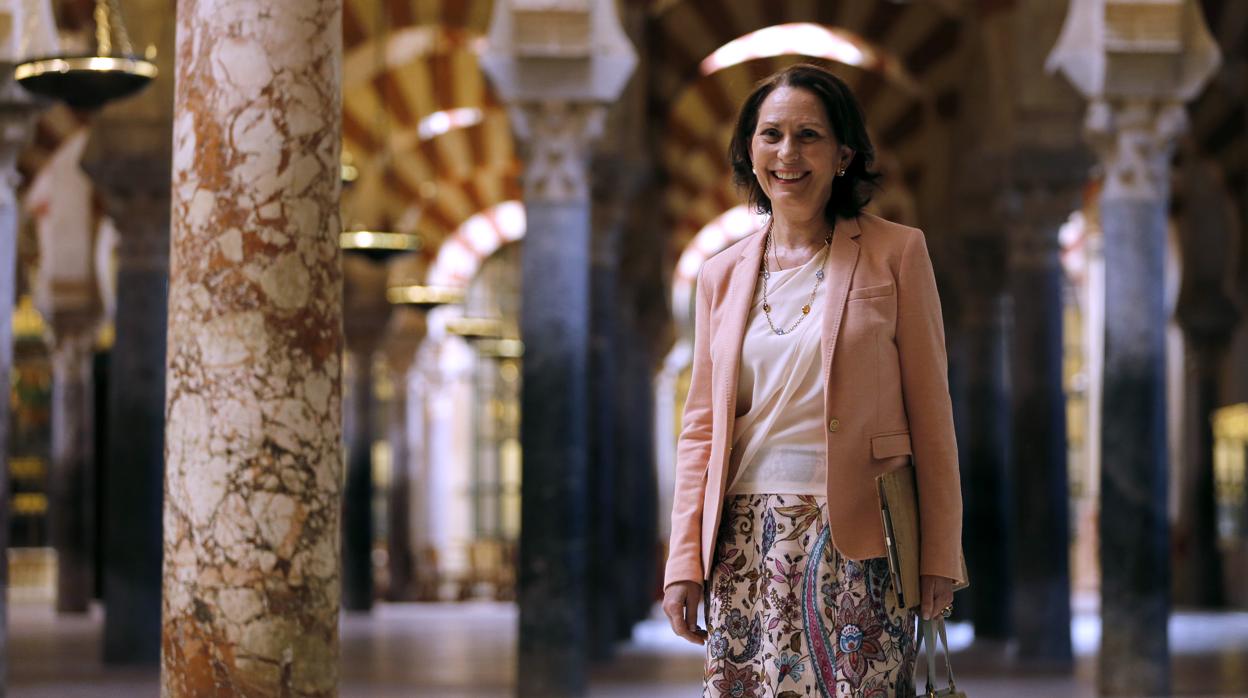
{"points": [[766, 308], [806, 309]]}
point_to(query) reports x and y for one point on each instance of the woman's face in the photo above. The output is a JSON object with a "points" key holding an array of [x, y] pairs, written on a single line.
{"points": [[795, 153]]}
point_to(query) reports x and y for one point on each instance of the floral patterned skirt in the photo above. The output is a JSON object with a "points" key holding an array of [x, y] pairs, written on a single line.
{"points": [[788, 617]]}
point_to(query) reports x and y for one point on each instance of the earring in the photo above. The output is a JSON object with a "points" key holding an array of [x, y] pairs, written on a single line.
{"points": [[841, 172]]}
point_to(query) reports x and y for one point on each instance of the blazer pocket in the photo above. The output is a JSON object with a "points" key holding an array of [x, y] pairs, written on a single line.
{"points": [[871, 291], [890, 445]]}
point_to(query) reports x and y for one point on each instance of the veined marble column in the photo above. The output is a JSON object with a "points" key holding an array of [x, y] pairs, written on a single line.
{"points": [[253, 486], [72, 477], [1134, 528]]}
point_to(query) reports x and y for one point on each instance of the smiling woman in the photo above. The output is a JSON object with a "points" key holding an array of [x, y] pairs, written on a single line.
{"points": [[818, 364]]}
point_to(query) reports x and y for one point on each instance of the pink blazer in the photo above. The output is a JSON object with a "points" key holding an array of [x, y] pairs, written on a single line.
{"points": [[886, 396]]}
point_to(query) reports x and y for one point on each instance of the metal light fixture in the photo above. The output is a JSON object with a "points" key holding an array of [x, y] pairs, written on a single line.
{"points": [[90, 80], [424, 297], [378, 245]]}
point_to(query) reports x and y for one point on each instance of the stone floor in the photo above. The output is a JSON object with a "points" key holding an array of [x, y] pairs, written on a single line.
{"points": [[468, 651]]}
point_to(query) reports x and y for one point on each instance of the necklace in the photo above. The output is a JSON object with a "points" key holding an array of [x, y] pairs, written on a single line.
{"points": [[768, 244]]}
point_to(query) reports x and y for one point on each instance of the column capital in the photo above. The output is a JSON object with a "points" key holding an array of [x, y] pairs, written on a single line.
{"points": [[557, 136], [1137, 62], [1135, 140]]}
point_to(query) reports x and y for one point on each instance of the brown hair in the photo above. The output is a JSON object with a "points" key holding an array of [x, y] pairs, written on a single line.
{"points": [[851, 192]]}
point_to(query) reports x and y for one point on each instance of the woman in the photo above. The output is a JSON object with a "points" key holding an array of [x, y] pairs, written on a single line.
{"points": [[819, 363]]}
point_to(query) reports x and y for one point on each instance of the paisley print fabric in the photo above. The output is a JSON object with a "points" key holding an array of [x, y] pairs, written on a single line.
{"points": [[788, 617]]}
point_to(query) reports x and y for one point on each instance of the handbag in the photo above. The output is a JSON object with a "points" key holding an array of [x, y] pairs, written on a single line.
{"points": [[899, 507], [928, 629]]}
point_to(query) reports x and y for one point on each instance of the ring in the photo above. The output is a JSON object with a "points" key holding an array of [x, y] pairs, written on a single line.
{"points": [[947, 611]]}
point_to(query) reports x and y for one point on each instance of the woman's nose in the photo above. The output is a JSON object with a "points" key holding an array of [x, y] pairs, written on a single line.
{"points": [[788, 150]]}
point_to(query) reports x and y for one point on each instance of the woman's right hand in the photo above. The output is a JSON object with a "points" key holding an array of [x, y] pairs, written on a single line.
{"points": [[680, 605]]}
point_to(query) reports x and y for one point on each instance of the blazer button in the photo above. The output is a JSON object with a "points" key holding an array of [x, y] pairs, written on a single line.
{"points": [[834, 425]]}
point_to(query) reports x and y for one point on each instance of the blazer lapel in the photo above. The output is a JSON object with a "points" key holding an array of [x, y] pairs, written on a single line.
{"points": [[736, 312], [844, 257]]}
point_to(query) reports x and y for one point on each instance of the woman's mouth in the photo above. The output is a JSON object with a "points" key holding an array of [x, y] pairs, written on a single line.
{"points": [[788, 176]]}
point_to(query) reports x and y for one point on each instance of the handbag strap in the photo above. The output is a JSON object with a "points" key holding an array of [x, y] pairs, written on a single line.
{"points": [[929, 630]]}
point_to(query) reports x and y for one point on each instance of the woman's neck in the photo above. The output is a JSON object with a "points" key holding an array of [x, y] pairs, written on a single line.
{"points": [[796, 236]]}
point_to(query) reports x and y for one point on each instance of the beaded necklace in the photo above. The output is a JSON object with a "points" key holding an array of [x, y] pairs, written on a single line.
{"points": [[769, 245]]}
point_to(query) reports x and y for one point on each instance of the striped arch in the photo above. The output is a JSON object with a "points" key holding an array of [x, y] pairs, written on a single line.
{"points": [[477, 238], [429, 179]]}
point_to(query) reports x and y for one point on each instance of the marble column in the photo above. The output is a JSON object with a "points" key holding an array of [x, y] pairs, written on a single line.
{"points": [[364, 321], [1134, 527], [16, 115], [987, 476], [71, 482], [128, 157], [254, 472], [1040, 607]]}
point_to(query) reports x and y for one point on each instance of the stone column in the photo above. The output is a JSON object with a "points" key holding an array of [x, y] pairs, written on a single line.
{"points": [[407, 329], [1134, 528], [364, 321], [252, 498], [1133, 124], [1208, 317], [987, 480], [1038, 206], [556, 71], [607, 479], [128, 158], [71, 482], [556, 527], [16, 114]]}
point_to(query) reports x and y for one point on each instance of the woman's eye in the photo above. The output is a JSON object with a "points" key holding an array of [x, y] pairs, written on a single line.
{"points": [[810, 134]]}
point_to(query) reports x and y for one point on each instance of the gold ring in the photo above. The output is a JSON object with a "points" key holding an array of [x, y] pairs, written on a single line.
{"points": [[947, 611]]}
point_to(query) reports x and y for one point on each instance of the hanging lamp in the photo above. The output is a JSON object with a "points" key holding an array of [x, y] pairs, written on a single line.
{"points": [[377, 242], [90, 80]]}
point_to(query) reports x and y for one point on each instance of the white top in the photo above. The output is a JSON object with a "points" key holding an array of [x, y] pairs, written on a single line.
{"points": [[777, 440]]}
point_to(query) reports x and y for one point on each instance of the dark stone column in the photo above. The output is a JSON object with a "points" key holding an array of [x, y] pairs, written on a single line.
{"points": [[1208, 317], [16, 114], [557, 496], [1134, 529], [608, 556], [555, 526], [72, 479], [136, 194], [1041, 603], [1135, 549], [407, 328], [987, 477], [366, 312], [129, 158]]}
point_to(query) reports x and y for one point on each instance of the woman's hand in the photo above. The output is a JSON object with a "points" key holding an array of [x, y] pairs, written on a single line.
{"points": [[936, 593], [680, 605]]}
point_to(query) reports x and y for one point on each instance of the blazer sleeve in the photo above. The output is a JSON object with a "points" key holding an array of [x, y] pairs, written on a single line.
{"points": [[693, 452], [925, 390]]}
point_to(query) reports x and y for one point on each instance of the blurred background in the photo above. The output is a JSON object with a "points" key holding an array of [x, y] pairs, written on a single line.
{"points": [[527, 191]]}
